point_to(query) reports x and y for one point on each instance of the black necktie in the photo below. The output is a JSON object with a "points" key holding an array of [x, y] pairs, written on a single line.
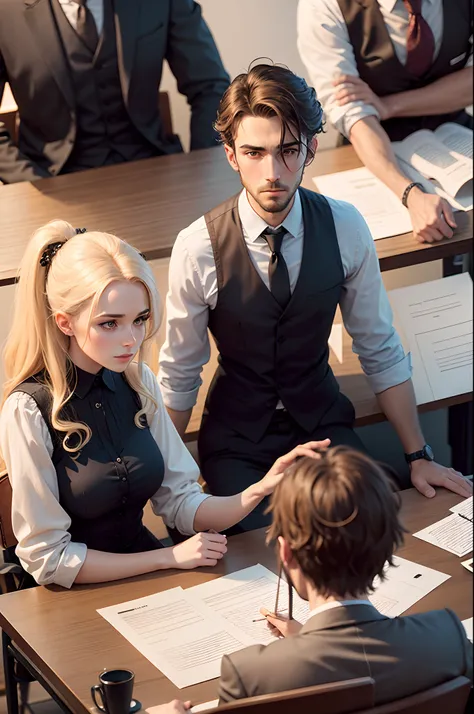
{"points": [[277, 268], [86, 27]]}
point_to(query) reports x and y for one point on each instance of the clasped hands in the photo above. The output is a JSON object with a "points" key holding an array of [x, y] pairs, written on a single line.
{"points": [[431, 216]]}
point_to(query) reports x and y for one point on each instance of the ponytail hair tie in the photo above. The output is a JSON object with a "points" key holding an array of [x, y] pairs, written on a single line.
{"points": [[80, 230], [48, 254]]}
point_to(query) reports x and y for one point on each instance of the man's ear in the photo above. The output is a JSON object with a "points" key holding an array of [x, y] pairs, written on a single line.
{"points": [[63, 321], [286, 555], [231, 158], [312, 147]]}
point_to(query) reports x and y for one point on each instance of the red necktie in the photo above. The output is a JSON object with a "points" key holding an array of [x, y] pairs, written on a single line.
{"points": [[420, 40]]}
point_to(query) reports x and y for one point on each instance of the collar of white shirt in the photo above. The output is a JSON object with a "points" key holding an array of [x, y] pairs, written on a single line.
{"points": [[253, 225], [337, 603], [389, 5]]}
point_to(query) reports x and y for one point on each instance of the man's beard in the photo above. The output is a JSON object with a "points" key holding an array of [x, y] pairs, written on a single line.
{"points": [[274, 206]]}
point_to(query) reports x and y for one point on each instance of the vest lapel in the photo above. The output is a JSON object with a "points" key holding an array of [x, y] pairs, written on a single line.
{"points": [[39, 17], [126, 29]]}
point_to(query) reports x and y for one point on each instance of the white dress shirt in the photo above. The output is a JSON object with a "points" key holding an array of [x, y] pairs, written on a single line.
{"points": [[71, 10], [326, 50], [193, 292], [40, 523]]}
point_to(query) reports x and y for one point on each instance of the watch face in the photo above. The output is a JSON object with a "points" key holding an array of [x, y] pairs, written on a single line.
{"points": [[428, 452]]}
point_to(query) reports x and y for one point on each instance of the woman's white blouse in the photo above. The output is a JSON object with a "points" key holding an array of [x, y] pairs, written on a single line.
{"points": [[39, 522]]}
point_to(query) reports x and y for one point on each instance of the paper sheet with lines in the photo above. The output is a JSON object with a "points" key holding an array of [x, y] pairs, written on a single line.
{"points": [[434, 320]]}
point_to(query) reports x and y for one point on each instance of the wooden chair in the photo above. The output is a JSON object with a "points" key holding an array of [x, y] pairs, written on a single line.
{"points": [[448, 698], [334, 698]]}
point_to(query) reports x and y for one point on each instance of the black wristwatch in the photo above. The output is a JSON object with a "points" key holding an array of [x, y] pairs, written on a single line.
{"points": [[425, 453]]}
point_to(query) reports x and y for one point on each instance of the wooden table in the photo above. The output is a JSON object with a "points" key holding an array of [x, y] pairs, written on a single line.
{"points": [[148, 202], [65, 639]]}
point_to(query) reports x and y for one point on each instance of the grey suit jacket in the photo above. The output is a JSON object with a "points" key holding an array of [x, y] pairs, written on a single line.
{"points": [[404, 655], [148, 31]]}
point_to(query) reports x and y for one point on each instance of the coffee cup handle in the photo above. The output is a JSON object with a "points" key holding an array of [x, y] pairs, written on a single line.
{"points": [[98, 689]]}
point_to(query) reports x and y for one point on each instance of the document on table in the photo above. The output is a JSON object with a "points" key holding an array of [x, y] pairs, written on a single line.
{"points": [[405, 583], [194, 710], [382, 210], [239, 596], [464, 509], [180, 636], [468, 564], [468, 627], [434, 320], [452, 533]]}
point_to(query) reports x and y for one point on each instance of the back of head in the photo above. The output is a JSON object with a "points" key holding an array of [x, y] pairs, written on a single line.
{"points": [[339, 516], [64, 271], [268, 90]]}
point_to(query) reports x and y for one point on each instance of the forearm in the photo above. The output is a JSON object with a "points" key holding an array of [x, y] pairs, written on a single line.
{"points": [[374, 149], [219, 513], [100, 567], [180, 419], [448, 94], [399, 406]]}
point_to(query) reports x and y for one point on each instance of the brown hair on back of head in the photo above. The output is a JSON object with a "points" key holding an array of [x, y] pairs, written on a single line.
{"points": [[339, 516], [269, 90]]}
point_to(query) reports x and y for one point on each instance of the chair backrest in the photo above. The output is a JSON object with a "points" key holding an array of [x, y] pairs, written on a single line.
{"points": [[447, 698], [334, 698], [165, 112], [6, 531]]}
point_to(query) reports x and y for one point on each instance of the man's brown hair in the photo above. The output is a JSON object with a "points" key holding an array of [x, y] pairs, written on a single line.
{"points": [[339, 516], [269, 90]]}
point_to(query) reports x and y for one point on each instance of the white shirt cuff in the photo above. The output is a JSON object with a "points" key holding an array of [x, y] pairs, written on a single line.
{"points": [[184, 520], [346, 121], [180, 401], [390, 377]]}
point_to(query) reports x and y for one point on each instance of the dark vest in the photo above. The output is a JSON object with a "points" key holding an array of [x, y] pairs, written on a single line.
{"points": [[104, 132], [106, 513], [378, 65], [267, 354]]}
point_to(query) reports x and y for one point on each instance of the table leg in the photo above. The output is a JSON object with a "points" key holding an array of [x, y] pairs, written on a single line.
{"points": [[9, 673]]}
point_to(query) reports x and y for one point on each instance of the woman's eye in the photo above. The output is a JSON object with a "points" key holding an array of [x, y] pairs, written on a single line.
{"points": [[109, 325], [142, 320]]}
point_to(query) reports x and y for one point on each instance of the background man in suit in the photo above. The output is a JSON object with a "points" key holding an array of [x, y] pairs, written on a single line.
{"points": [[85, 76], [265, 271], [384, 69], [336, 524]]}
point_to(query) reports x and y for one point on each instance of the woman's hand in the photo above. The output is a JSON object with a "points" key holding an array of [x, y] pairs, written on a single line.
{"points": [[281, 626], [203, 549], [274, 476]]}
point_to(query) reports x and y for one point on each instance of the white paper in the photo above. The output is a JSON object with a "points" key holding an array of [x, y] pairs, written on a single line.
{"points": [[206, 705], [452, 533], [434, 320], [382, 210], [178, 635], [456, 137], [468, 627], [239, 596], [464, 508], [467, 564], [405, 584], [464, 198]]}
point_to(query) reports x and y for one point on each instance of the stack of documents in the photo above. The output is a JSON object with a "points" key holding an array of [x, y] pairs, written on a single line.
{"points": [[453, 533], [185, 633], [434, 321]]}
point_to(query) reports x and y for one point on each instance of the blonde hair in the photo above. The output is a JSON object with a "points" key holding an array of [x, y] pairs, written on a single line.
{"points": [[77, 275]]}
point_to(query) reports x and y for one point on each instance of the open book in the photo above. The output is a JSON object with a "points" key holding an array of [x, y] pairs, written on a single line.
{"points": [[441, 161]]}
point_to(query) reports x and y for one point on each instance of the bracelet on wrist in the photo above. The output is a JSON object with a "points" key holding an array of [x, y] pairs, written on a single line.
{"points": [[408, 189]]}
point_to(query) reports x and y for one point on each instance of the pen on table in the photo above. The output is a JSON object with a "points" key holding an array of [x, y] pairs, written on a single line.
{"points": [[272, 614]]}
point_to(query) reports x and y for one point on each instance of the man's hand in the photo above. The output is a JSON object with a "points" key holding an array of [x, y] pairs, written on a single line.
{"points": [[281, 626], [269, 482], [431, 216], [427, 474], [174, 707], [354, 89], [203, 549]]}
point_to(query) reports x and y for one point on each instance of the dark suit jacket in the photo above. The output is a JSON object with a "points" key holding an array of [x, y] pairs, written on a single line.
{"points": [[148, 31], [404, 655]]}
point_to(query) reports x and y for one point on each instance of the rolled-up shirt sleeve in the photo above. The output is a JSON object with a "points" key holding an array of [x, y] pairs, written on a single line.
{"points": [[39, 522], [180, 494], [326, 52], [364, 303]]}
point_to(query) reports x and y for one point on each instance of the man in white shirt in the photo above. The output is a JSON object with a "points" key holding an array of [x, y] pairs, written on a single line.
{"points": [[384, 69], [265, 272]]}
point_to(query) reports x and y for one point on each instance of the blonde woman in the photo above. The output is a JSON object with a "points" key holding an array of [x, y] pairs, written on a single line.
{"points": [[84, 434]]}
